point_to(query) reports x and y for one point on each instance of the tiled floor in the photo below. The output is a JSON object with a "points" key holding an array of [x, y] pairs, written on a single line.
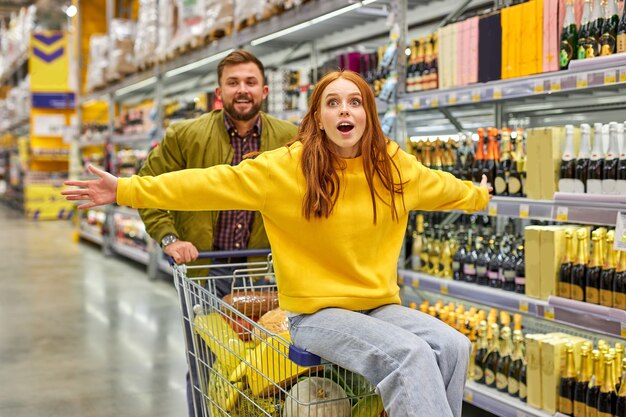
{"points": [[82, 335]]}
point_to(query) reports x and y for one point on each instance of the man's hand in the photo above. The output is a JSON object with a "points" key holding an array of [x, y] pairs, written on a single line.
{"points": [[484, 184], [96, 192], [182, 252]]}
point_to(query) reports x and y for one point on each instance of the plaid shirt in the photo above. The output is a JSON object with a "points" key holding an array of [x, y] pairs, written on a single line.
{"points": [[234, 226]]}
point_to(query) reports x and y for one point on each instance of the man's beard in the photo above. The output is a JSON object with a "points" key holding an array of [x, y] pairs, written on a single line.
{"points": [[242, 117]]}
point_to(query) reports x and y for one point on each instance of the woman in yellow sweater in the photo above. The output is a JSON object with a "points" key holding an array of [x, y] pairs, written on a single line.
{"points": [[335, 204]]}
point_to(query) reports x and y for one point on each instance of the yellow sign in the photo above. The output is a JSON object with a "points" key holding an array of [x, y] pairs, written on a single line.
{"points": [[45, 202], [49, 62]]}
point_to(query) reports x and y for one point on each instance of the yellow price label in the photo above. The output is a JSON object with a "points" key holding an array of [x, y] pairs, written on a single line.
{"points": [[416, 104], [555, 85], [492, 209], [434, 102], [622, 76], [524, 211], [452, 99], [623, 329], [468, 396], [497, 93], [562, 214], [581, 81], [538, 89], [548, 313], [476, 96], [443, 288], [609, 77], [523, 306], [415, 283]]}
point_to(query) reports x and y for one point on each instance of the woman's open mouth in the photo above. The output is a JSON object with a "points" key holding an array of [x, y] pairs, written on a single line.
{"points": [[345, 127]]}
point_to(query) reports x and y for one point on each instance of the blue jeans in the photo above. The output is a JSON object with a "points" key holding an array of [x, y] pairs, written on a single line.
{"points": [[417, 363]]}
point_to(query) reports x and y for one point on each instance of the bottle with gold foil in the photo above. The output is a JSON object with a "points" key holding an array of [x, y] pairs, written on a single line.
{"points": [[482, 349], [619, 282], [479, 157], [569, 37], [434, 256], [608, 39], [619, 357], [579, 268], [583, 33], [517, 360], [567, 383], [418, 242], [493, 357], [620, 403], [582, 383], [473, 337], [621, 33], [608, 272], [504, 364], [515, 175], [523, 387], [426, 248], [503, 168], [607, 398], [592, 44], [592, 278], [564, 288], [437, 151], [446, 257], [594, 384]]}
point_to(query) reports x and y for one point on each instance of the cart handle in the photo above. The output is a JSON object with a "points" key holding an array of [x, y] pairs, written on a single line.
{"points": [[244, 253]]}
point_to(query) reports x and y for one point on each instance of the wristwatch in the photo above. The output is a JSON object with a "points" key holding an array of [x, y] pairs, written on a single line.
{"points": [[168, 240]]}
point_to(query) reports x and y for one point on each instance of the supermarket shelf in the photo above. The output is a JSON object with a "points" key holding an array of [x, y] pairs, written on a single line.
{"points": [[573, 80], [91, 235], [130, 252], [590, 211], [589, 317], [14, 67], [126, 211], [499, 403], [85, 144], [22, 123], [130, 138], [50, 158]]}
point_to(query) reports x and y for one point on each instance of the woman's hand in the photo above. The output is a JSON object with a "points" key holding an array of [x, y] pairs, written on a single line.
{"points": [[485, 184], [96, 192]]}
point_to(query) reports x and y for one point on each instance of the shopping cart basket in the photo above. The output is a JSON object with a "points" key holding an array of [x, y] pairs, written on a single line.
{"points": [[248, 368]]}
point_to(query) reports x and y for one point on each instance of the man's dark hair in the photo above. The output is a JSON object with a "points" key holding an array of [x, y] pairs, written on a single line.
{"points": [[240, 56]]}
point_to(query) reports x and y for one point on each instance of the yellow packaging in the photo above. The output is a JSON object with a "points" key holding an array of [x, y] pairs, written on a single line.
{"points": [[533, 368], [532, 259], [532, 185], [551, 254]]}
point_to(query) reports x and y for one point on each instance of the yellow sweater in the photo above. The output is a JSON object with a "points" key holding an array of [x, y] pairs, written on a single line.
{"points": [[343, 261]]}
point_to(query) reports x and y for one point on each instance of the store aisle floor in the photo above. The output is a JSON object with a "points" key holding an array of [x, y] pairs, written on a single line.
{"points": [[81, 334]]}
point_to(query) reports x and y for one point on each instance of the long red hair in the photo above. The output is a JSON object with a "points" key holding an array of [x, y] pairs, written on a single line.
{"points": [[320, 160]]}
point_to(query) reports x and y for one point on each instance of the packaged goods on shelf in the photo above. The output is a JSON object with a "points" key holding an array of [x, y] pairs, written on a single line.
{"points": [[15, 38], [121, 58], [146, 39], [219, 18], [97, 63]]}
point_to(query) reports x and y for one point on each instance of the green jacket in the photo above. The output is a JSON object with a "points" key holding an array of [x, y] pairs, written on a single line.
{"points": [[201, 143]]}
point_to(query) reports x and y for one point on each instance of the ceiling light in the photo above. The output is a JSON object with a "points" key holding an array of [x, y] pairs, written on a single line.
{"points": [[71, 10]]}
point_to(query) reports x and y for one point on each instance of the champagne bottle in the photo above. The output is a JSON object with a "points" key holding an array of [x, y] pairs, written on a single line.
{"points": [[509, 260], [434, 254], [609, 170], [608, 41], [621, 164], [619, 283], [596, 162], [504, 364], [568, 163], [515, 369], [595, 30], [418, 243], [608, 272], [469, 265], [515, 174], [482, 262], [491, 160], [620, 403], [621, 33], [592, 276], [481, 353], [492, 358], [520, 271], [569, 36], [591, 401], [503, 170], [521, 163], [579, 267], [477, 167], [434, 63], [567, 382], [582, 383], [607, 398], [619, 356], [470, 158], [565, 274], [523, 391], [582, 162], [583, 33], [437, 162], [494, 269]]}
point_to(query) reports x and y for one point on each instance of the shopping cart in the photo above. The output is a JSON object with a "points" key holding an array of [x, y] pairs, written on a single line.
{"points": [[248, 368]]}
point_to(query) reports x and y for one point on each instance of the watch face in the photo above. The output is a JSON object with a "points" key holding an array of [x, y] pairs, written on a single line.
{"points": [[168, 240]]}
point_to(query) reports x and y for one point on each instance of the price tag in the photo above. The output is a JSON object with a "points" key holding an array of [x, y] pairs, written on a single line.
{"points": [[538, 88], [443, 289], [468, 396], [524, 210], [475, 96], [492, 209], [416, 103], [497, 93], [581, 81], [415, 283], [562, 214], [609, 77], [555, 84], [623, 329], [434, 102], [622, 76], [548, 313], [452, 100], [619, 243], [523, 306]]}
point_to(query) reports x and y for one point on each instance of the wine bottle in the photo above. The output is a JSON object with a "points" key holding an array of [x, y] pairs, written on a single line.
{"points": [[494, 269], [595, 30], [621, 33], [620, 403], [567, 383], [609, 170], [458, 259], [607, 397], [582, 162], [479, 158], [469, 265], [565, 273], [492, 358], [619, 283], [583, 33], [520, 271], [569, 36], [592, 276], [568, 163], [621, 164], [508, 268], [595, 382], [418, 243], [596, 162], [582, 383], [503, 170], [515, 369], [608, 41], [482, 261], [608, 272], [481, 353], [523, 388], [504, 364], [579, 268], [491, 161]]}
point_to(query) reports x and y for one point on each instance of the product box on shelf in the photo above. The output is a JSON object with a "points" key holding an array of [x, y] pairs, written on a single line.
{"points": [[533, 369], [532, 259], [550, 52], [551, 238]]}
